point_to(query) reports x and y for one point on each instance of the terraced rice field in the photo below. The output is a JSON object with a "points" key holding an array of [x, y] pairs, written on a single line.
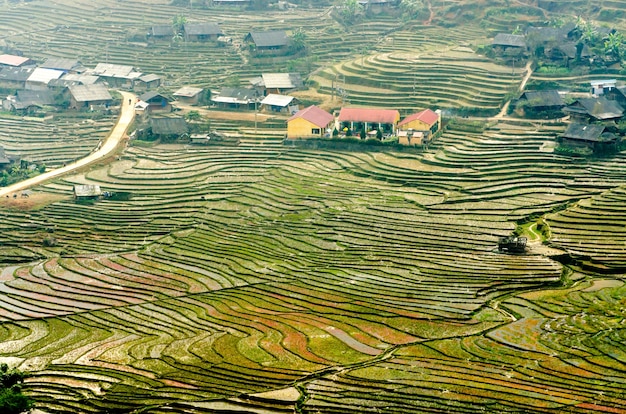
{"points": [[262, 278]]}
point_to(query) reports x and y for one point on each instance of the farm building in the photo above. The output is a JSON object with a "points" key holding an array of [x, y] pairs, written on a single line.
{"points": [[410, 138], [63, 64], [593, 136], [596, 109], [40, 77], [148, 82], [277, 83], [15, 61], [88, 96], [202, 31], [161, 32], [505, 43], [116, 75], [155, 102], [375, 6], [168, 128], [26, 101], [541, 101], [280, 103], [189, 95], [357, 119], [310, 122], [237, 97], [87, 192], [602, 86], [266, 41], [14, 77], [426, 121]]}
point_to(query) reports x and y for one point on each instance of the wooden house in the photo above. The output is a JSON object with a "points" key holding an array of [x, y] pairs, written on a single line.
{"points": [[188, 95], [168, 128], [593, 136], [274, 40], [509, 44], [147, 82], [63, 64], [375, 6], [280, 103], [89, 96], [155, 102], [541, 102], [123, 76], [595, 109], [427, 121], [278, 83], [195, 32], [357, 119], [161, 32], [310, 122], [27, 102], [40, 77]]}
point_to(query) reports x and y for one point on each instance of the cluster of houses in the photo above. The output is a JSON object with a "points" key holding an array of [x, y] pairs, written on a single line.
{"points": [[593, 120]]}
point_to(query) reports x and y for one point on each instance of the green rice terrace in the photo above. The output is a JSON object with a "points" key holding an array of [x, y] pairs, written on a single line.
{"points": [[266, 278]]}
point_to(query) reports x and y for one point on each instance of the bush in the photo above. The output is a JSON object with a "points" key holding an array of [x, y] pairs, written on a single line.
{"points": [[12, 401]]}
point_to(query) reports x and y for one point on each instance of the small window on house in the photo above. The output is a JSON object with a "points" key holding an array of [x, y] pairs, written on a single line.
{"points": [[315, 131]]}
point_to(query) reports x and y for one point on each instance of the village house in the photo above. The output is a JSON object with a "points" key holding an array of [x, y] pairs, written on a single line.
{"points": [[367, 119], [280, 103], [594, 109], [14, 77], [509, 44], [4, 160], [189, 95], [153, 101], [277, 83], [375, 6], [602, 86], [426, 121], [310, 122], [195, 32], [236, 98], [40, 77], [15, 61], [89, 96], [147, 82], [168, 129], [84, 192], [27, 102], [161, 32], [268, 41], [541, 102], [64, 65], [116, 75], [593, 136]]}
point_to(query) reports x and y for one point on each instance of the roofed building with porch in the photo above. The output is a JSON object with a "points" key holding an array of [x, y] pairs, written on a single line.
{"points": [[535, 102], [426, 121], [593, 136], [155, 101], [278, 83], [595, 109], [357, 119], [264, 41], [89, 96], [280, 103], [236, 98], [310, 122]]}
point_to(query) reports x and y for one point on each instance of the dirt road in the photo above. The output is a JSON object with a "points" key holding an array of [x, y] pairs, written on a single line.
{"points": [[107, 148]]}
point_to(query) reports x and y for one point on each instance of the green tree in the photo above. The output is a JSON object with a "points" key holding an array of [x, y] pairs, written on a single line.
{"points": [[298, 39], [412, 9], [351, 11], [193, 115], [12, 401], [614, 46], [178, 24], [362, 134]]}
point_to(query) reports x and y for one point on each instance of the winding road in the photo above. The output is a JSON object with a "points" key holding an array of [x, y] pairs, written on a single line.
{"points": [[107, 148]]}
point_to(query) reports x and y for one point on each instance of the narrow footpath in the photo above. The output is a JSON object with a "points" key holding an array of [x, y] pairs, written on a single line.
{"points": [[108, 147]]}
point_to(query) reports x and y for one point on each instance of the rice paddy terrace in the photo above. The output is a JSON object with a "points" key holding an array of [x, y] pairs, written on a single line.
{"points": [[262, 278]]}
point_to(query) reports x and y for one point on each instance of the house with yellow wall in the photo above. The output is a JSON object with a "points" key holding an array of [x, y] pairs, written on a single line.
{"points": [[427, 121], [311, 122]]}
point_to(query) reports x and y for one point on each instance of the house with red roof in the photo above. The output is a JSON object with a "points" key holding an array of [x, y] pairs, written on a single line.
{"points": [[369, 119], [310, 122], [426, 120], [15, 61]]}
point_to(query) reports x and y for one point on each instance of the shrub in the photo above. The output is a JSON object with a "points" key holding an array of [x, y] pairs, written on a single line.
{"points": [[12, 401]]}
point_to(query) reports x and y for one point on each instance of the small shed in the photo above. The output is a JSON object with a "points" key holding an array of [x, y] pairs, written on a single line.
{"points": [[87, 192], [88, 96], [280, 103], [155, 101], [267, 40], [189, 95], [168, 128], [202, 31], [310, 122], [410, 138]]}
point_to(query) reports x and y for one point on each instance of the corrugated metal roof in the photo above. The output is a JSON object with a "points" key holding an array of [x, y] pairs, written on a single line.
{"points": [[188, 91], [384, 116], [81, 78], [88, 93], [168, 126], [282, 80], [314, 115], [60, 63], [427, 116], [26, 98], [13, 60], [115, 71], [149, 77], [14, 74], [43, 75], [277, 100], [505, 39]]}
